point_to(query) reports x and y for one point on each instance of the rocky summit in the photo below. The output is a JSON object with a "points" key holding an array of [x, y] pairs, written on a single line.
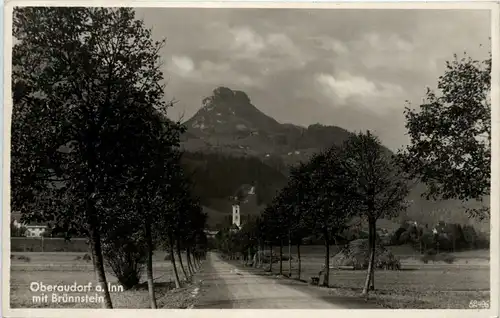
{"points": [[229, 122]]}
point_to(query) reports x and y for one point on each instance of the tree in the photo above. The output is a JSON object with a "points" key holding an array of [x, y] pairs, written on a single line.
{"points": [[191, 219], [82, 78], [330, 199], [289, 211], [17, 230], [380, 186], [450, 134], [158, 166], [183, 221], [125, 252], [271, 224], [300, 224], [318, 199], [277, 225]]}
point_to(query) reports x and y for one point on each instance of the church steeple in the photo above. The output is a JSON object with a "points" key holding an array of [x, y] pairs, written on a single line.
{"points": [[236, 215]]}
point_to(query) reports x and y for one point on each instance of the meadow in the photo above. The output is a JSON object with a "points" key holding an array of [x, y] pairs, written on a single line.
{"points": [[66, 268], [416, 286]]}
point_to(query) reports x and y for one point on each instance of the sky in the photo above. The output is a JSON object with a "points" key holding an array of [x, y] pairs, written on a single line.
{"points": [[350, 68]]}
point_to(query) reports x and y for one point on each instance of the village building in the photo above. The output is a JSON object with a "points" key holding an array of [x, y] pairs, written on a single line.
{"points": [[33, 229], [245, 205]]}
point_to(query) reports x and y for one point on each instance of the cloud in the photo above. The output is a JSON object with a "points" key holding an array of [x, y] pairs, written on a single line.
{"points": [[182, 65], [208, 71], [330, 44], [386, 43], [273, 52], [296, 64], [346, 87], [247, 43]]}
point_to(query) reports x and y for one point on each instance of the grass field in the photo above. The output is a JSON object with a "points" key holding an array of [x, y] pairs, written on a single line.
{"points": [[417, 285], [63, 269]]}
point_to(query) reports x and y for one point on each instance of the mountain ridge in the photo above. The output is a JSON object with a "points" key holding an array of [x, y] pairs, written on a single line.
{"points": [[228, 122], [229, 128]]}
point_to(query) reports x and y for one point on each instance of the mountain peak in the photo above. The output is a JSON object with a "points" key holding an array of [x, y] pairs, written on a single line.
{"points": [[228, 111], [225, 92], [228, 121], [223, 96]]}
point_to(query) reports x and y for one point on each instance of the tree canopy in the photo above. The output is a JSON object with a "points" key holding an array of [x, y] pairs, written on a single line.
{"points": [[450, 134]]}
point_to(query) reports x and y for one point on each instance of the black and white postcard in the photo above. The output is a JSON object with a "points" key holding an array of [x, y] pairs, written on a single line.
{"points": [[250, 156]]}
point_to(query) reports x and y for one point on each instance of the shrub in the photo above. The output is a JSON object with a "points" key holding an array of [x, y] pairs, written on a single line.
{"points": [[404, 237], [86, 257], [426, 258], [267, 255], [126, 258], [483, 240], [431, 255], [356, 254], [427, 240], [24, 258], [448, 258], [314, 280], [17, 231], [286, 258]]}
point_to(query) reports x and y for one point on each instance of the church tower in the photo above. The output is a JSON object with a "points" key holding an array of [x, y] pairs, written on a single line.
{"points": [[236, 215]]}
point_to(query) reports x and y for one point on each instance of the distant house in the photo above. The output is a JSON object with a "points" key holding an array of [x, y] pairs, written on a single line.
{"points": [[33, 229], [210, 233]]}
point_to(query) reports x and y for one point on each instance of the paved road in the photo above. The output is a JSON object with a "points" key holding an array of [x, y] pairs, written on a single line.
{"points": [[225, 286]]}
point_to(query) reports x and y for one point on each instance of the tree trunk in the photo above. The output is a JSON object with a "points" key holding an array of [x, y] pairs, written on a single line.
{"points": [[98, 261], [289, 255], [374, 249], [281, 256], [326, 281], [271, 258], [172, 259], [262, 248], [257, 255], [190, 264], [371, 263], [195, 263], [93, 258], [178, 247], [196, 260], [299, 259], [90, 157], [149, 265], [193, 260]]}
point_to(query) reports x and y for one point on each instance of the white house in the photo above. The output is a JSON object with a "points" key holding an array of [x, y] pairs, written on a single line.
{"points": [[33, 229], [211, 233]]}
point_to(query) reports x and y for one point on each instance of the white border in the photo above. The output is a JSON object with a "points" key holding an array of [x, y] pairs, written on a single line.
{"points": [[495, 178]]}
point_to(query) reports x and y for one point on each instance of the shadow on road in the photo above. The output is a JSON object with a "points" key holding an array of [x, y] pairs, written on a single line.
{"points": [[213, 294], [355, 302]]}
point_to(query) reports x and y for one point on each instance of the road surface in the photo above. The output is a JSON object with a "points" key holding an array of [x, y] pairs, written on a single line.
{"points": [[225, 286]]}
